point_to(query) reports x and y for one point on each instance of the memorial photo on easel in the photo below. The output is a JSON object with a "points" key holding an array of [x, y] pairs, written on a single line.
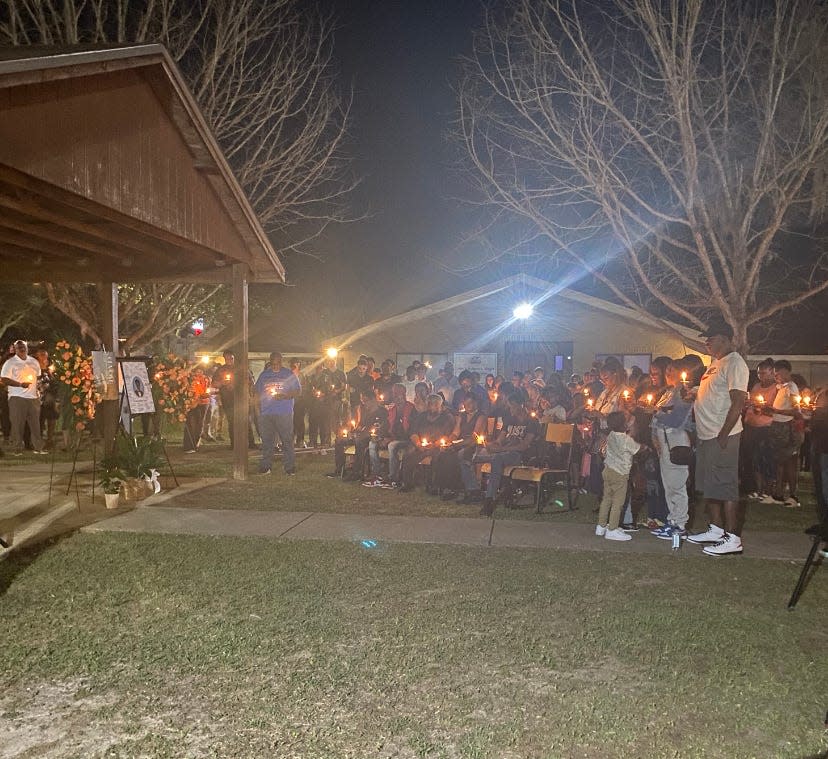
{"points": [[137, 388]]}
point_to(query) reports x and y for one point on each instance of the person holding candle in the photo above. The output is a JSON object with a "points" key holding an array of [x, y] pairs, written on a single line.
{"points": [[223, 381], [510, 446], [370, 421], [396, 439], [448, 464], [19, 374], [430, 436], [277, 388], [759, 466], [673, 416], [783, 440], [718, 409]]}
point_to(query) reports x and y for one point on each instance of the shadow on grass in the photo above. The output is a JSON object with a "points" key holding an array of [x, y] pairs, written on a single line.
{"points": [[19, 558]]}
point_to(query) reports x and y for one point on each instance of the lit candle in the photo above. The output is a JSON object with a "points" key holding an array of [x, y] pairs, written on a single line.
{"points": [[424, 442], [626, 395], [345, 432], [806, 400], [684, 377], [318, 393], [481, 439], [442, 442], [649, 398], [532, 414], [274, 392], [797, 399], [495, 396], [586, 391], [590, 404], [227, 377], [760, 399], [382, 397], [28, 377], [353, 423]]}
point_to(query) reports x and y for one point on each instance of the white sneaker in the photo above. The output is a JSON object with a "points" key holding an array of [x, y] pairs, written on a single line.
{"points": [[728, 544], [617, 534], [600, 530], [770, 500], [713, 535], [755, 496], [790, 502]]}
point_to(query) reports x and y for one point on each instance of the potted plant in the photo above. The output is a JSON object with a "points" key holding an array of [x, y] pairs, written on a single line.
{"points": [[111, 479], [131, 462]]}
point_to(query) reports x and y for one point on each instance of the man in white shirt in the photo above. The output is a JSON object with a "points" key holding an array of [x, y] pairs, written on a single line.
{"points": [[718, 409], [20, 375]]}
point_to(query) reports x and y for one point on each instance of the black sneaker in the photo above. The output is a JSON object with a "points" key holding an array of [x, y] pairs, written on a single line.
{"points": [[630, 527]]}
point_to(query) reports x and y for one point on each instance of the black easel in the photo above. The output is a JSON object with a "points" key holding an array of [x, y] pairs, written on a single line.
{"points": [[819, 534]]}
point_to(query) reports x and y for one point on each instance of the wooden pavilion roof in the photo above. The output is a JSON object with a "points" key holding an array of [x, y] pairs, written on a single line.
{"points": [[109, 172]]}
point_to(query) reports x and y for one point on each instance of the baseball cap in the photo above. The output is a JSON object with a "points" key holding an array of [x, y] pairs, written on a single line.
{"points": [[718, 327]]}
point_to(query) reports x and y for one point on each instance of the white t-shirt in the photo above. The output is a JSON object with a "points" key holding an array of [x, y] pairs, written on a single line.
{"points": [[727, 373], [620, 451], [409, 389], [22, 371], [784, 399]]}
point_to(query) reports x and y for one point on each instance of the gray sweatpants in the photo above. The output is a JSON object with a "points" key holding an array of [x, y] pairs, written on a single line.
{"points": [[21, 411]]}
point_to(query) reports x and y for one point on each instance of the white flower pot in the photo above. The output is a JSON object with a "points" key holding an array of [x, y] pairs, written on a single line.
{"points": [[112, 500]]}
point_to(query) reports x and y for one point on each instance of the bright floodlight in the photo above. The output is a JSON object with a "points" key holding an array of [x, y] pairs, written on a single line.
{"points": [[331, 352], [523, 311], [205, 359]]}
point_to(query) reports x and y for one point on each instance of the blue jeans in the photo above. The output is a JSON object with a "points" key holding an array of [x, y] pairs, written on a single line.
{"points": [[271, 425], [498, 461]]}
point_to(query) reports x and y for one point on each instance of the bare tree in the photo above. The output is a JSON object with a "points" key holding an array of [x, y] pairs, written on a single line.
{"points": [[667, 148], [263, 77], [148, 311]]}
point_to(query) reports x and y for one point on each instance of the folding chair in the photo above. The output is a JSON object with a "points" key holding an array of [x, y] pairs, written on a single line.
{"points": [[544, 478]]}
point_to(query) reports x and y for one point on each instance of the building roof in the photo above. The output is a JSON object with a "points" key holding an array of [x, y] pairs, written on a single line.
{"points": [[536, 291], [127, 237]]}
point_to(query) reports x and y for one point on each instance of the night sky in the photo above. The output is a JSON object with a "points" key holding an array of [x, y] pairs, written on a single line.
{"points": [[401, 59]]}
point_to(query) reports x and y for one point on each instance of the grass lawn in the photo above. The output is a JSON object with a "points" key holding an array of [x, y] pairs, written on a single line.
{"points": [[133, 645], [310, 490]]}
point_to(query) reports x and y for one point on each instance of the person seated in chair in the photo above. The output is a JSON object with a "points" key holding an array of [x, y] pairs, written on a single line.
{"points": [[400, 416], [370, 422], [431, 434], [515, 439], [469, 432]]}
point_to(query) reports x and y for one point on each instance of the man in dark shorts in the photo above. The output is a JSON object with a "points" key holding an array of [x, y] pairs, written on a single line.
{"points": [[718, 409]]}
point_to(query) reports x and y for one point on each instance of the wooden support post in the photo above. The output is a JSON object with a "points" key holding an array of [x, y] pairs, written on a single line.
{"points": [[108, 411], [241, 394]]}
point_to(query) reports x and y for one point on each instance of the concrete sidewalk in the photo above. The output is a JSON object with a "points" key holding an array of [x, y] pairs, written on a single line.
{"points": [[786, 546]]}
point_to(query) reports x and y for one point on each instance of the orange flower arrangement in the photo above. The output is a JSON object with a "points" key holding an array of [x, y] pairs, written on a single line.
{"points": [[73, 370], [172, 386]]}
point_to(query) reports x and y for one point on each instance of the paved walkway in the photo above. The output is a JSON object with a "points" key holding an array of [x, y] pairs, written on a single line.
{"points": [[787, 546]]}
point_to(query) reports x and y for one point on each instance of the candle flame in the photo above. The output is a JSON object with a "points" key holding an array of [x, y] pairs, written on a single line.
{"points": [[590, 403], [480, 439], [424, 442], [649, 397], [684, 376], [806, 400], [760, 398], [442, 442]]}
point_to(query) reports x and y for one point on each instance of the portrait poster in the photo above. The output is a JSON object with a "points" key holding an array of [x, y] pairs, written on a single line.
{"points": [[137, 387]]}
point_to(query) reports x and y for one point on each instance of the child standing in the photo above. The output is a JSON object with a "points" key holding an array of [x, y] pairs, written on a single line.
{"points": [[620, 451]]}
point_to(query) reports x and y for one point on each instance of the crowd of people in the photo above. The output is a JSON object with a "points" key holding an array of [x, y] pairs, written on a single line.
{"points": [[645, 442]]}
